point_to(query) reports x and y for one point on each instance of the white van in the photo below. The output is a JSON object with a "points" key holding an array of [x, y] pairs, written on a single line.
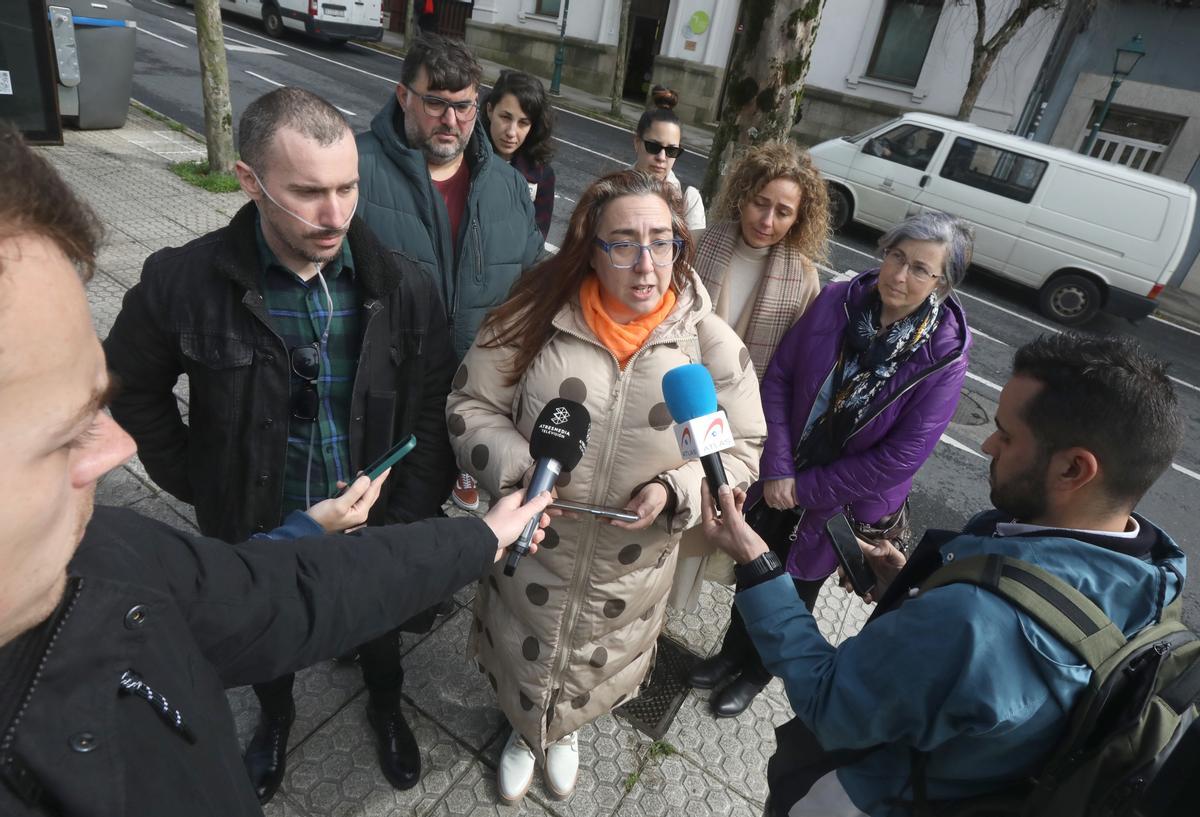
{"points": [[338, 20], [1087, 234]]}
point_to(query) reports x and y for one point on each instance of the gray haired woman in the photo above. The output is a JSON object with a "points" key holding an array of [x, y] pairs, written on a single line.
{"points": [[856, 397]]}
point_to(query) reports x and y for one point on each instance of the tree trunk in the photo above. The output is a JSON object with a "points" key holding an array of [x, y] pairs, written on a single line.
{"points": [[765, 79], [986, 51], [214, 83], [618, 86]]}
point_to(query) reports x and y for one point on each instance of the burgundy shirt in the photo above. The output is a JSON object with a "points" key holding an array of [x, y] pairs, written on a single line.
{"points": [[454, 193]]}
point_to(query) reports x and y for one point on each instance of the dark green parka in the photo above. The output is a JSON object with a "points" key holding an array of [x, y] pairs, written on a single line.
{"points": [[498, 236]]}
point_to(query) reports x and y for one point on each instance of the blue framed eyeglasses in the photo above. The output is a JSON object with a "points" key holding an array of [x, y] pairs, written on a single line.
{"points": [[626, 254]]}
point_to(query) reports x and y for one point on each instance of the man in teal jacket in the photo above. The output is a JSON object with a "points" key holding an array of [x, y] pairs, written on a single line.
{"points": [[431, 187], [1083, 429]]}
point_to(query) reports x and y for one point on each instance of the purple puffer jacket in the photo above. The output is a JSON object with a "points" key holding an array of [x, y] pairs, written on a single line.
{"points": [[876, 469]]}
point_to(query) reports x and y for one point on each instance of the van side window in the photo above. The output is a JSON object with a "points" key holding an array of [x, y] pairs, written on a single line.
{"points": [[1002, 172], [909, 145]]}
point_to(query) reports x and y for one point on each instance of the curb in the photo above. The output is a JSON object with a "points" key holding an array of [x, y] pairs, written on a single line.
{"points": [[175, 125], [1176, 319]]}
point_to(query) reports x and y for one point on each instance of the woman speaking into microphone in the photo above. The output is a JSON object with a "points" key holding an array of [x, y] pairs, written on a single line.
{"points": [[572, 634]]}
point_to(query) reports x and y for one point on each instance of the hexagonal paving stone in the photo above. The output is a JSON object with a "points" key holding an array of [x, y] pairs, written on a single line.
{"points": [[733, 750], [444, 684], [320, 692], [673, 786], [474, 795], [701, 630], [609, 751], [336, 770]]}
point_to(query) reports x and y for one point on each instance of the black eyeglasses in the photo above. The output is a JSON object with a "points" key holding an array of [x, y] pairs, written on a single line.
{"points": [[306, 364], [654, 148], [436, 106]]}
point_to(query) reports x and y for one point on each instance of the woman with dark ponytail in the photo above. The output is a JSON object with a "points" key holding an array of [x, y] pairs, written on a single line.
{"points": [[657, 146]]}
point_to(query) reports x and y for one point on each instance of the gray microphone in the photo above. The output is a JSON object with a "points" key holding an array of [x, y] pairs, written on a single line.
{"points": [[559, 438]]}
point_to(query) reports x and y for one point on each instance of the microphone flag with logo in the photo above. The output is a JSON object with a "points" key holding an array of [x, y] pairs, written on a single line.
{"points": [[701, 428], [557, 442]]}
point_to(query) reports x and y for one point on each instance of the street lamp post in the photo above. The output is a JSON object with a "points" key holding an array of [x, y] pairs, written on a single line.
{"points": [[1127, 57], [560, 56]]}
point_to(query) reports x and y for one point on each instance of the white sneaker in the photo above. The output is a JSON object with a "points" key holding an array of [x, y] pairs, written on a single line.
{"points": [[562, 766], [516, 769]]}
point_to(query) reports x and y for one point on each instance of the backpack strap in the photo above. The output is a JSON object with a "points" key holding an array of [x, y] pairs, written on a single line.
{"points": [[1068, 614]]}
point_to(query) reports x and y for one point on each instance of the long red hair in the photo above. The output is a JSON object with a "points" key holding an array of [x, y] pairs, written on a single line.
{"points": [[524, 320]]}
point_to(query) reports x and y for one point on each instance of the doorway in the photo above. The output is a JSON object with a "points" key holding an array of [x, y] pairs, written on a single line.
{"points": [[647, 19]]}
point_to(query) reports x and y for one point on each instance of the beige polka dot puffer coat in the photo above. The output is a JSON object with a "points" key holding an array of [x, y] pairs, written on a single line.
{"points": [[572, 634]]}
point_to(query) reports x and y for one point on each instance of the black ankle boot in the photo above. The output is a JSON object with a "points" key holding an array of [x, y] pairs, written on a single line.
{"points": [[733, 699], [711, 672], [399, 758], [266, 756]]}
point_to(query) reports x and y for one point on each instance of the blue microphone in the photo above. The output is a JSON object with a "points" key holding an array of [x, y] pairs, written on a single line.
{"points": [[700, 426]]}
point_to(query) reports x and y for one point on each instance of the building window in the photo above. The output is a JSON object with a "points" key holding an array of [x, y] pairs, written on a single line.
{"points": [[1136, 139], [1002, 172], [547, 8], [909, 145], [903, 40]]}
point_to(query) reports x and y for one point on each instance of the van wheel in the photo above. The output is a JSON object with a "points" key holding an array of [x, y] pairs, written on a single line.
{"points": [[272, 21], [1070, 299], [840, 208]]}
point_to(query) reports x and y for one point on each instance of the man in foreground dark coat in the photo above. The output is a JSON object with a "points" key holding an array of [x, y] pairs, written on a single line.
{"points": [[119, 634], [309, 350]]}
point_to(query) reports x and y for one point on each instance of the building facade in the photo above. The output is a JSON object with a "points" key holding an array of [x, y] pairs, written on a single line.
{"points": [[682, 44], [876, 59], [1153, 123]]}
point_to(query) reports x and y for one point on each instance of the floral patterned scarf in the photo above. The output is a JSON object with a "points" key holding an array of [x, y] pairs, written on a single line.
{"points": [[868, 361]]}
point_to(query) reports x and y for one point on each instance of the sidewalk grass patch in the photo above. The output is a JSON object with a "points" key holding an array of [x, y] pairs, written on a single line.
{"points": [[196, 173]]}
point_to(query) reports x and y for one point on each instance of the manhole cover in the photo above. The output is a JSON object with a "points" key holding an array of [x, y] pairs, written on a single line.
{"points": [[969, 412], [652, 711]]}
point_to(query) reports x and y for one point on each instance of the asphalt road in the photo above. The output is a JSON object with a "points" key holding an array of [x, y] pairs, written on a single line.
{"points": [[951, 486]]}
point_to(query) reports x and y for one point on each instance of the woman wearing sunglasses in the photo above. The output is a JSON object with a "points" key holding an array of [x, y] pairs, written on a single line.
{"points": [[519, 121], [572, 635], [656, 144], [757, 260], [856, 397]]}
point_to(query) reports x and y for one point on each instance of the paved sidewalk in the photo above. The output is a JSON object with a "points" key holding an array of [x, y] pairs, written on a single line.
{"points": [[719, 767]]}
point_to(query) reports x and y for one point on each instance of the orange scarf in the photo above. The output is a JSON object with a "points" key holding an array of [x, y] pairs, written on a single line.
{"points": [[622, 339]]}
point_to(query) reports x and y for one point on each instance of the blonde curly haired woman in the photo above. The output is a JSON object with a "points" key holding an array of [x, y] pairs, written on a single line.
{"points": [[770, 225]]}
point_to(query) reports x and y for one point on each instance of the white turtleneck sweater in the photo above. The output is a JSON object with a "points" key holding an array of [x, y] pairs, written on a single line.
{"points": [[746, 269]]}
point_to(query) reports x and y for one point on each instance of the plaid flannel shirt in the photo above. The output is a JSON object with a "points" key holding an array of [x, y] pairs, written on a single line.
{"points": [[299, 311]]}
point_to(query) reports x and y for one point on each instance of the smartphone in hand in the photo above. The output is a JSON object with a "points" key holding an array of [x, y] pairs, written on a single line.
{"points": [[850, 555], [390, 457]]}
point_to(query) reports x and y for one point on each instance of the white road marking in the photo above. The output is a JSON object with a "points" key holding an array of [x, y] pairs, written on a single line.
{"points": [[1174, 325], [985, 382], [343, 110], [278, 44], [265, 79], [853, 249], [975, 331], [1186, 471], [161, 37], [1184, 383], [953, 443], [596, 152]]}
